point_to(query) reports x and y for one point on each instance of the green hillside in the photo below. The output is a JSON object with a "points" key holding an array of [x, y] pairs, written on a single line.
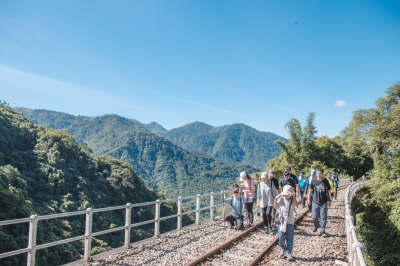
{"points": [[165, 166], [232, 144], [43, 171]]}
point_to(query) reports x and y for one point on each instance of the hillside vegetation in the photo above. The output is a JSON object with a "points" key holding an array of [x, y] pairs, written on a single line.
{"points": [[43, 171], [369, 145], [232, 144], [166, 167], [378, 208]]}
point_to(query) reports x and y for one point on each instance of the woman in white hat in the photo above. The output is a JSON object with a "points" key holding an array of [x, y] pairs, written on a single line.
{"points": [[266, 192], [248, 188]]}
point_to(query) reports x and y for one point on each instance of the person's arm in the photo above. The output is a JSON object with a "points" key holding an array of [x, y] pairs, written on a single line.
{"points": [[310, 190], [295, 205], [328, 189]]}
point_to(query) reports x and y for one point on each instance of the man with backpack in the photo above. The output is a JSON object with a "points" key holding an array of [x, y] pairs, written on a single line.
{"points": [[321, 200]]}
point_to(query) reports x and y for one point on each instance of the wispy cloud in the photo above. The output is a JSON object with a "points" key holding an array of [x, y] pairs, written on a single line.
{"points": [[340, 103], [196, 103], [60, 89]]}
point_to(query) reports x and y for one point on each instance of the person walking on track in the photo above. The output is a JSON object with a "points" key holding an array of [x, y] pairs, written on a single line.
{"points": [[286, 202], [248, 188], [321, 200], [302, 187], [266, 193]]}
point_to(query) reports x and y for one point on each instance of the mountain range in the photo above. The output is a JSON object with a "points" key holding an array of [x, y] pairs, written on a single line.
{"points": [[232, 144], [164, 166]]}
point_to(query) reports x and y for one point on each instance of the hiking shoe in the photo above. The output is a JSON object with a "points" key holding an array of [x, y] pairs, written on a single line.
{"points": [[270, 231], [314, 229], [324, 234], [282, 252], [289, 256]]}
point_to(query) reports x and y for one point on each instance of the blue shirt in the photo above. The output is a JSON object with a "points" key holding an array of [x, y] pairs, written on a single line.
{"points": [[303, 182], [236, 205]]}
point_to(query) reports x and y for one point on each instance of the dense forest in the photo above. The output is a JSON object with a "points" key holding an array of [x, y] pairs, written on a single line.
{"points": [[44, 171], [232, 144], [369, 145], [164, 166]]}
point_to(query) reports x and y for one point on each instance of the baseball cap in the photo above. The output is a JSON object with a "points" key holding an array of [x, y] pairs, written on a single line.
{"points": [[271, 173]]}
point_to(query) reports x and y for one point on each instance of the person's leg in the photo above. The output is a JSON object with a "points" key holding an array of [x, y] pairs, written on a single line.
{"points": [[302, 197], [336, 188], [264, 216], [289, 241], [273, 211], [249, 206], [229, 218], [315, 215], [282, 244], [324, 216], [269, 216]]}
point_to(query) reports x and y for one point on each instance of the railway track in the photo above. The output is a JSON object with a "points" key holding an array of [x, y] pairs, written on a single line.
{"points": [[246, 248]]}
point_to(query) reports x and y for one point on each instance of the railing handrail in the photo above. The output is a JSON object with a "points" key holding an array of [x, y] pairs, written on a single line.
{"points": [[33, 220], [354, 247]]}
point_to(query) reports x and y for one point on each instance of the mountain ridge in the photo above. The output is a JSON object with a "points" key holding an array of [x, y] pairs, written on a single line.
{"points": [[165, 166]]}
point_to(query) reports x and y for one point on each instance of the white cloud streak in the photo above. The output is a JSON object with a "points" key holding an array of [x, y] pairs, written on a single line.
{"points": [[196, 103], [340, 103], [43, 85]]}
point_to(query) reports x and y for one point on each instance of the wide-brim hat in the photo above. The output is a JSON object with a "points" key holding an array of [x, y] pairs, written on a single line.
{"points": [[287, 190]]}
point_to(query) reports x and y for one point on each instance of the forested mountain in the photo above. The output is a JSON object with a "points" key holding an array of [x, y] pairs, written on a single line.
{"points": [[43, 171], [155, 128], [165, 166], [233, 144]]}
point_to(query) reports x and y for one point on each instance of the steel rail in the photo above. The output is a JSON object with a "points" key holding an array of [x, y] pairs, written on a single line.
{"points": [[223, 246], [229, 242]]}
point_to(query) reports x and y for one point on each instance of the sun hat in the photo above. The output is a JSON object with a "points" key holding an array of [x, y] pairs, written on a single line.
{"points": [[313, 172], [302, 172], [243, 175], [264, 175], [287, 190], [271, 173]]}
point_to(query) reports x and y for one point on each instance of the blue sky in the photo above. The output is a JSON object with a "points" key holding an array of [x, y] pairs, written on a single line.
{"points": [[220, 62]]}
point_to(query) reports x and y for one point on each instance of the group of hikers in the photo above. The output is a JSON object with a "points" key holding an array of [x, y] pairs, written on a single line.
{"points": [[277, 201]]}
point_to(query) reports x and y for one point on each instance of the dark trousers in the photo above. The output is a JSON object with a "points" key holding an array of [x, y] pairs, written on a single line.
{"points": [[249, 208], [267, 215], [229, 218], [303, 197]]}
